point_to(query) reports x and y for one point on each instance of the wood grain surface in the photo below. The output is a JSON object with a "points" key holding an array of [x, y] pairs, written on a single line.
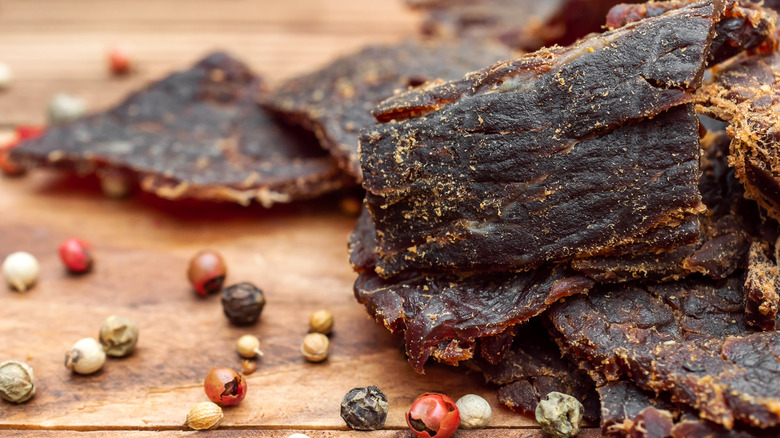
{"points": [[296, 253]]}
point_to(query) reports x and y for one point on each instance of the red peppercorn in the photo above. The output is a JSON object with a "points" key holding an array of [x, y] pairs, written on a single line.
{"points": [[207, 272], [76, 255], [432, 415], [224, 386], [119, 60]]}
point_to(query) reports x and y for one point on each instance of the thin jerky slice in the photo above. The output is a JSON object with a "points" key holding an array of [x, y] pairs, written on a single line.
{"points": [[335, 101], [523, 24], [689, 339], [761, 294], [746, 93], [515, 166], [196, 133], [532, 368]]}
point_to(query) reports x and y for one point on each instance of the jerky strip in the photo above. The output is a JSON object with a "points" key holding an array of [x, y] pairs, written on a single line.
{"points": [[514, 166], [761, 295], [196, 133], [335, 101]]}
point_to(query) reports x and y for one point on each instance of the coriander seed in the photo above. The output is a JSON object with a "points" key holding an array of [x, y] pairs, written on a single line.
{"points": [[225, 386], [20, 270], [85, 357], [242, 303], [204, 416], [321, 321], [64, 108], [559, 415], [315, 347], [248, 347], [475, 412], [119, 335], [364, 408], [16, 381], [207, 272]]}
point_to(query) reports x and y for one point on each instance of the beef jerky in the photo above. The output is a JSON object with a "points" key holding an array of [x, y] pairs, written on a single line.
{"points": [[514, 166], [761, 294], [689, 339], [196, 133], [744, 26], [746, 93], [523, 24], [532, 368], [335, 101]]}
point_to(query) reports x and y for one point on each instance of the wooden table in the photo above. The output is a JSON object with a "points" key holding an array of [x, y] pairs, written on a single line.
{"points": [[296, 253]]}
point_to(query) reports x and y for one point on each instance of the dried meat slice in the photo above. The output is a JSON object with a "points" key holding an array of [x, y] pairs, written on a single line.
{"points": [[746, 93], [335, 101], [196, 133], [761, 288], [688, 339], [515, 166]]}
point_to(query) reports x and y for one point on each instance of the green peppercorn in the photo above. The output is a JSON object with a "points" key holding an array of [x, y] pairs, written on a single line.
{"points": [[243, 303], [118, 335], [559, 415], [16, 381]]}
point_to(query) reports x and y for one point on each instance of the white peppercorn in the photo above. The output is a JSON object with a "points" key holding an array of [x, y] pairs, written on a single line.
{"points": [[6, 76], [315, 347], [20, 270], [16, 381], [85, 357], [119, 335], [65, 108], [475, 412], [559, 415], [248, 347]]}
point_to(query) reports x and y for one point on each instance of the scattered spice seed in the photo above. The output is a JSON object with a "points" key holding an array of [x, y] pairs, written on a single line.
{"points": [[432, 415], [475, 412], [225, 386], [559, 415], [16, 381], [85, 357], [76, 255], [248, 367], [120, 62], [204, 416], [20, 270], [315, 347], [119, 336], [321, 321], [248, 347], [6, 76], [242, 303], [64, 108], [206, 272], [115, 185], [364, 408]]}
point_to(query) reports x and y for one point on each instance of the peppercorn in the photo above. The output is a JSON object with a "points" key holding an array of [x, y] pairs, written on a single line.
{"points": [[85, 357], [204, 416], [321, 321], [248, 367], [475, 412], [315, 347], [16, 381], [119, 60], [364, 408], [119, 335], [20, 270], [225, 386], [76, 255], [433, 414], [115, 185], [559, 415], [6, 76], [248, 347], [207, 272], [64, 108], [242, 303]]}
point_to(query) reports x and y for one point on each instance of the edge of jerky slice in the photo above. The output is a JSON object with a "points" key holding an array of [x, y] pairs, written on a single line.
{"points": [[196, 133], [515, 165], [335, 101]]}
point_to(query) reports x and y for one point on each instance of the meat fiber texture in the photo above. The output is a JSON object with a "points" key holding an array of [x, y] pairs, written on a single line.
{"points": [[197, 133]]}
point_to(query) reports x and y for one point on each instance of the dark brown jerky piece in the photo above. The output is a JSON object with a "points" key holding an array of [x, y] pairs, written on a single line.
{"points": [[761, 294], [335, 101], [689, 339], [532, 368], [746, 93], [744, 26], [196, 133], [523, 24], [514, 166]]}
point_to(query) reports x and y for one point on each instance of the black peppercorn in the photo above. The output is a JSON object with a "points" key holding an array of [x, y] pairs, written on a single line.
{"points": [[364, 408], [242, 303]]}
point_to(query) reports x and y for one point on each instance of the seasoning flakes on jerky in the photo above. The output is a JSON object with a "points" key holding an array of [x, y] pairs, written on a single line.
{"points": [[335, 101], [761, 288], [565, 153], [196, 133], [688, 339]]}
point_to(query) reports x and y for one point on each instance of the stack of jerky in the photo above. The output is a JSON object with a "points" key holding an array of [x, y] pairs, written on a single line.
{"points": [[577, 185]]}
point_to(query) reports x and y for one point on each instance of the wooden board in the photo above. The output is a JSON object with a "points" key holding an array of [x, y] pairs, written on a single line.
{"points": [[296, 254]]}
